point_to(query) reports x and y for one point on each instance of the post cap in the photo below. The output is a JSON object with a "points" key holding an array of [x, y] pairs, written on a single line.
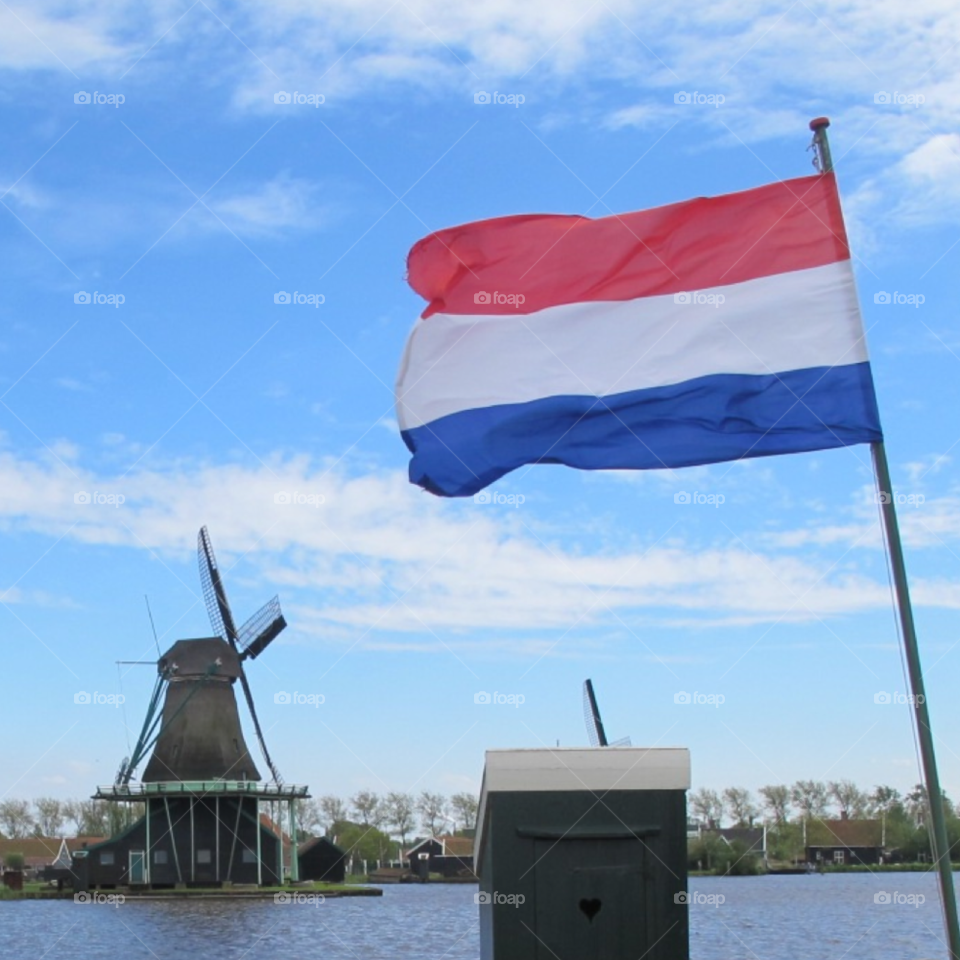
{"points": [[819, 122]]}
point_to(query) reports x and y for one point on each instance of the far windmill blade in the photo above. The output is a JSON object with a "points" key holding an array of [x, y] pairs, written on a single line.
{"points": [[256, 726], [261, 629], [591, 714], [221, 617]]}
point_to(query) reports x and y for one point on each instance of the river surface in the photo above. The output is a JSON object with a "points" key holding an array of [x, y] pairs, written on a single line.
{"points": [[761, 918]]}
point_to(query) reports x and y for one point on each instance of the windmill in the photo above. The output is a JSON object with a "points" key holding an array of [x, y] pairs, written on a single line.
{"points": [[201, 787], [591, 715]]}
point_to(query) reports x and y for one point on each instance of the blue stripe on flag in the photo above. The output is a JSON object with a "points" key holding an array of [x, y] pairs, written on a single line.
{"points": [[706, 420]]}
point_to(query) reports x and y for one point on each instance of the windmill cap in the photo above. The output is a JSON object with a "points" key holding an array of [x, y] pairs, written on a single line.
{"points": [[819, 122], [193, 658]]}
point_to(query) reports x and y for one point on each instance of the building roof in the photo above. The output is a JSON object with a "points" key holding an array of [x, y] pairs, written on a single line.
{"points": [[308, 845], [751, 837], [844, 833], [42, 851], [457, 846]]}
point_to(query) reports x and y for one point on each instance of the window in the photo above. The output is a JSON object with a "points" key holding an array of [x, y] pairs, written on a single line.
{"points": [[106, 858], [160, 857], [203, 856], [838, 856], [249, 856]]}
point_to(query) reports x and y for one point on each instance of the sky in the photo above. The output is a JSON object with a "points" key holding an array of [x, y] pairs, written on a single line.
{"points": [[168, 169]]}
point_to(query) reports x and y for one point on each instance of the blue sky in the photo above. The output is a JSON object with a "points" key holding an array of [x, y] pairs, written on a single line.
{"points": [[198, 399]]}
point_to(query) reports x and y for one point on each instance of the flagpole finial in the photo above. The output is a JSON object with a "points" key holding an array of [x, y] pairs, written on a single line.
{"points": [[820, 145], [819, 123]]}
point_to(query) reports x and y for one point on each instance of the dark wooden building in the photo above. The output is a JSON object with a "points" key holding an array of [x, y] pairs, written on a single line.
{"points": [[582, 853], [844, 841], [446, 855], [322, 859]]}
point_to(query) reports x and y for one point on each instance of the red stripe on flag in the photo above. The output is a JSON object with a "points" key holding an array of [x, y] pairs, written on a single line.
{"points": [[548, 260]]}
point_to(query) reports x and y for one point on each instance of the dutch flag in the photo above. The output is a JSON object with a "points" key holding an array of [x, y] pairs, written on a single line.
{"points": [[715, 329]]}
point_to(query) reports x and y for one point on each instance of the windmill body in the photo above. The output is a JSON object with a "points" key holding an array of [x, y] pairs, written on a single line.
{"points": [[201, 788]]}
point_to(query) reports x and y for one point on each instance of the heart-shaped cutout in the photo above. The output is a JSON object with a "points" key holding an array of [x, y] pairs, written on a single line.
{"points": [[590, 908]]}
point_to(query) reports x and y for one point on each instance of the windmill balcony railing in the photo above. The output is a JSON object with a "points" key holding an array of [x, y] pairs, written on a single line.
{"points": [[165, 788]]}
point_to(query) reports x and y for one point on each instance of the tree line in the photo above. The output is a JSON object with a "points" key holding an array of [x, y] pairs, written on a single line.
{"points": [[777, 804], [398, 815]]}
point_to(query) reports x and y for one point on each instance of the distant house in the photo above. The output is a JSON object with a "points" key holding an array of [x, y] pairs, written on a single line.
{"points": [[753, 838], [322, 859], [844, 841], [44, 854], [449, 856]]}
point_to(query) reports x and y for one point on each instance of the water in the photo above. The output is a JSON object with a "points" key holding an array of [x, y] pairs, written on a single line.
{"points": [[761, 918]]}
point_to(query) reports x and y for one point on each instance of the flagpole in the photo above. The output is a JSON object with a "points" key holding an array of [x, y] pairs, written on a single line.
{"points": [[940, 844]]}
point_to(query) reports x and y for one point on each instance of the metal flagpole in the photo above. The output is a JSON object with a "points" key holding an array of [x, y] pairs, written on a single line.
{"points": [[941, 846]]}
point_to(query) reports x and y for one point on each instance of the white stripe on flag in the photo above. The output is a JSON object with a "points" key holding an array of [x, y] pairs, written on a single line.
{"points": [[789, 321]]}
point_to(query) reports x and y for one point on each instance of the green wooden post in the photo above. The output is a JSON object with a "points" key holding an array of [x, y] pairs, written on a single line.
{"points": [[928, 759]]}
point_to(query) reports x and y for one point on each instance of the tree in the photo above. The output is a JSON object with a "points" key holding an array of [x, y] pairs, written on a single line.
{"points": [[49, 816], [70, 811], [366, 805], [332, 810], [15, 818], [464, 806], [776, 798], [400, 809], [851, 800], [739, 802], [364, 842], [310, 818], [431, 807], [707, 805], [811, 797], [94, 818]]}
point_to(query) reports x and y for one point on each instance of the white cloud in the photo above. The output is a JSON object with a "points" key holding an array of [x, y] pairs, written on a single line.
{"points": [[283, 203]]}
